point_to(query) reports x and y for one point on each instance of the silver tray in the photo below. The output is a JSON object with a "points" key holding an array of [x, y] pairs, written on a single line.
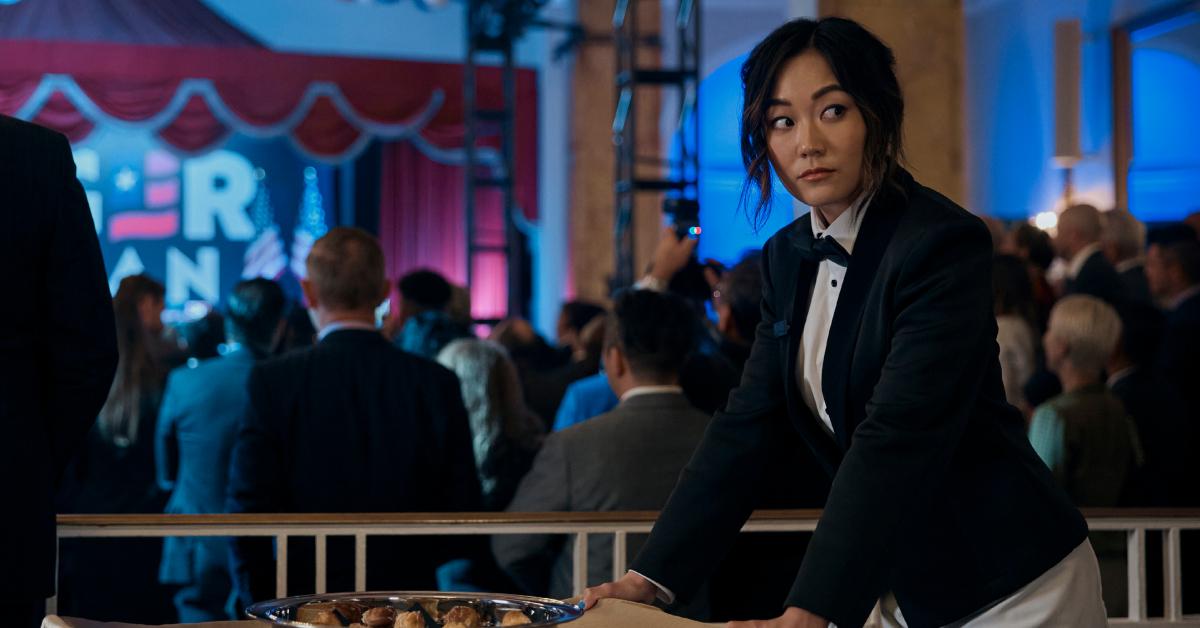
{"points": [[491, 606]]}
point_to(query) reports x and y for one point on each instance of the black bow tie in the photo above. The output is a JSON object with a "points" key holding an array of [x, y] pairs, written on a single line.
{"points": [[826, 248]]}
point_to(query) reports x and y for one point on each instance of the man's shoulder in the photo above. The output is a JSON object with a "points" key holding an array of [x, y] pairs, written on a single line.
{"points": [[664, 410], [26, 136]]}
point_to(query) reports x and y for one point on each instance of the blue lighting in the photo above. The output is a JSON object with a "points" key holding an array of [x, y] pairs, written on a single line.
{"points": [[728, 232], [1164, 178]]}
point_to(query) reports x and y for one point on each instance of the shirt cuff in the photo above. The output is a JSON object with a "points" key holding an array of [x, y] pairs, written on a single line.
{"points": [[664, 594]]}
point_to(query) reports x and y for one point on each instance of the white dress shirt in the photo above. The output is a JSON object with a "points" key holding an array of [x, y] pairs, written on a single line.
{"points": [[822, 304]]}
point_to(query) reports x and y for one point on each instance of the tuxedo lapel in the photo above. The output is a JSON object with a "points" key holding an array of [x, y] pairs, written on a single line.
{"points": [[873, 237], [793, 321]]}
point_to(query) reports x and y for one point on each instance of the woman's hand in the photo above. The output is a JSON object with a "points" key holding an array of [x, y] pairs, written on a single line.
{"points": [[793, 617], [631, 587]]}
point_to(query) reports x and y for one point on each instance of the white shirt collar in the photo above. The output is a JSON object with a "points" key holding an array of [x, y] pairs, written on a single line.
{"points": [[1120, 375], [1133, 262], [1178, 299], [845, 227], [1080, 259], [340, 325], [637, 391]]}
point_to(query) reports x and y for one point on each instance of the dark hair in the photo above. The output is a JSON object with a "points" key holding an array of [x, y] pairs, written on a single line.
{"points": [[426, 289], [741, 290], [202, 338], [1172, 233], [1012, 292], [580, 313], [1036, 244], [1185, 254], [253, 312], [140, 371], [655, 331], [864, 67], [346, 268]]}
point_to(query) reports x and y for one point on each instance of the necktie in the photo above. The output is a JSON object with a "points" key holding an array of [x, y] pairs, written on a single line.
{"points": [[826, 248]]}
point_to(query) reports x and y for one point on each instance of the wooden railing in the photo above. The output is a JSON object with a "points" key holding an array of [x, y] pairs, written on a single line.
{"points": [[1136, 523]]}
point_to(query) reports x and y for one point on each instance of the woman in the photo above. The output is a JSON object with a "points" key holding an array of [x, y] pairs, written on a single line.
{"points": [[114, 473], [878, 345], [1015, 317], [505, 434]]}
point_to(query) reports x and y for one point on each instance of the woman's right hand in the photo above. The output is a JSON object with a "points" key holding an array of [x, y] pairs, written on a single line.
{"points": [[631, 587]]}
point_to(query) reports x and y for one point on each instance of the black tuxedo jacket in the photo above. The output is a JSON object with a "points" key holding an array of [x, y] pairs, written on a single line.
{"points": [[937, 495], [58, 345], [352, 424], [1099, 279]]}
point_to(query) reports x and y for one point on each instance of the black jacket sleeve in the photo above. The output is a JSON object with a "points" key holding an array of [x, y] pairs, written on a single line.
{"points": [[711, 501]]}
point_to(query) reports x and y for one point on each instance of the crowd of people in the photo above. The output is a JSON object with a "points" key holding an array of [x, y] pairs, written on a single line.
{"points": [[269, 408]]}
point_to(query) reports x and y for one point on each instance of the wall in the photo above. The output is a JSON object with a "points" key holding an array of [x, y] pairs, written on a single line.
{"points": [[1010, 102], [927, 40]]}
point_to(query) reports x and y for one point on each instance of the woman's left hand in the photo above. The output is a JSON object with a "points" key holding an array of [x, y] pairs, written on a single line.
{"points": [[793, 617]]}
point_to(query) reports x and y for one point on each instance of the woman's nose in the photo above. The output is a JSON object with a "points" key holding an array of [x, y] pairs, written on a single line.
{"points": [[810, 142]]}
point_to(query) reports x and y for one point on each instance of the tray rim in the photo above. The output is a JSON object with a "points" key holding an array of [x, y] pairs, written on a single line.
{"points": [[571, 612]]}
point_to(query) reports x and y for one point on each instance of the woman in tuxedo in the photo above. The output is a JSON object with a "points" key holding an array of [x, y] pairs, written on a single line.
{"points": [[878, 345]]}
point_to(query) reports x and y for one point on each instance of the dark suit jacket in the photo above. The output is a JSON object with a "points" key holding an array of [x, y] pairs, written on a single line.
{"points": [[197, 425], [937, 495], [1099, 279], [1135, 286], [626, 459], [1179, 359], [58, 346], [1166, 477], [353, 424]]}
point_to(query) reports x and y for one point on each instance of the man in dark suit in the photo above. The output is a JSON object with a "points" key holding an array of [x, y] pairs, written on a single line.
{"points": [[626, 459], [1078, 244], [58, 350], [1124, 245], [352, 424], [1173, 269], [197, 425]]}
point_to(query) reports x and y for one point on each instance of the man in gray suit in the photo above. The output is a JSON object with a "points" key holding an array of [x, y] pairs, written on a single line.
{"points": [[626, 459], [197, 426]]}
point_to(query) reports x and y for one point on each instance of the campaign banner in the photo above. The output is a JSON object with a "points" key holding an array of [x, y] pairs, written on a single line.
{"points": [[201, 223]]}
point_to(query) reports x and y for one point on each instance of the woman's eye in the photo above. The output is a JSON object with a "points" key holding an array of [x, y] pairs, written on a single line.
{"points": [[833, 112], [781, 122]]}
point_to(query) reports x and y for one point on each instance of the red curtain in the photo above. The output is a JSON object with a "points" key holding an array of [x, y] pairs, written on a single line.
{"points": [[422, 225], [257, 92]]}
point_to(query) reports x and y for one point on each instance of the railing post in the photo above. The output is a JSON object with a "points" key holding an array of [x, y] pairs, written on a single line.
{"points": [[618, 557], [579, 561], [1172, 576], [281, 565], [360, 562], [321, 585], [1136, 573]]}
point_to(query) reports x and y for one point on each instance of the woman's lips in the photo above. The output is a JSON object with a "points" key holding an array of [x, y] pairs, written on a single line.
{"points": [[816, 174]]}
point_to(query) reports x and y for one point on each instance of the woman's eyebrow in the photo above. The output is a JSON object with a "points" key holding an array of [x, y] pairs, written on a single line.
{"points": [[832, 87], [774, 102]]}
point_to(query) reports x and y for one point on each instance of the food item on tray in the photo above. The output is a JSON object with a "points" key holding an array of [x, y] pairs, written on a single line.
{"points": [[514, 618], [431, 607], [411, 619], [379, 617], [465, 616], [330, 613]]}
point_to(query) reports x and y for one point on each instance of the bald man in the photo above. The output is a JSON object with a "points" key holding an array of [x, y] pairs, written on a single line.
{"points": [[1080, 228]]}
